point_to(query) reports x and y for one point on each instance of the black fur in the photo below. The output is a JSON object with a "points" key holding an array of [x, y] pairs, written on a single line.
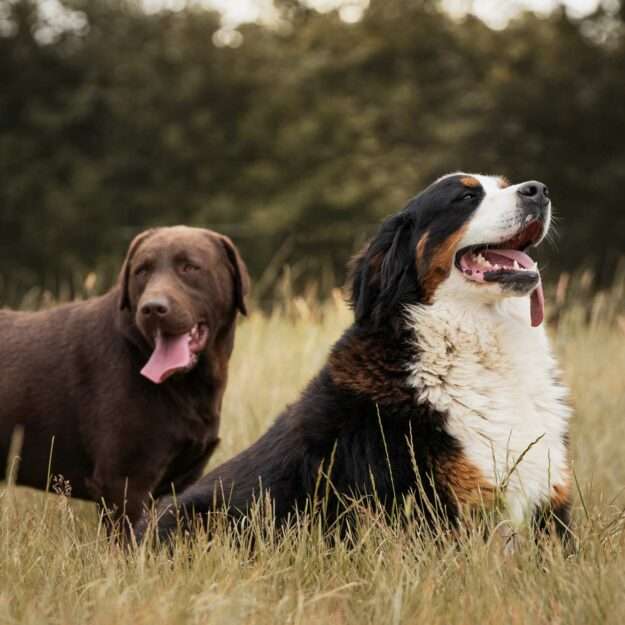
{"points": [[340, 432], [386, 276], [386, 273], [357, 418]]}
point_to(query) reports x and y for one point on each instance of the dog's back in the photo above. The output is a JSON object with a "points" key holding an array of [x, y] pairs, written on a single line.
{"points": [[46, 388]]}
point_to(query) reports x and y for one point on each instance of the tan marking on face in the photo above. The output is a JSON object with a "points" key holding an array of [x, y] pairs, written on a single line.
{"points": [[421, 249], [467, 483], [503, 182], [470, 181], [433, 271]]}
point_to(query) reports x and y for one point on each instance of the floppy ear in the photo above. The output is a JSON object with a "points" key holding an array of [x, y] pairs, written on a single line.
{"points": [[384, 273], [241, 275], [124, 274]]}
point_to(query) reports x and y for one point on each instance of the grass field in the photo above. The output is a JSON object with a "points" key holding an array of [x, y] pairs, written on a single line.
{"points": [[56, 565]]}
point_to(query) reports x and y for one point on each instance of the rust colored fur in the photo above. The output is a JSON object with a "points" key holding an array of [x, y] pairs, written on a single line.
{"points": [[470, 181], [434, 265], [465, 481], [371, 366], [561, 495]]}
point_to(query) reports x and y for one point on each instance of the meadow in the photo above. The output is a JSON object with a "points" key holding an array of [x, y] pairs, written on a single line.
{"points": [[57, 565]]}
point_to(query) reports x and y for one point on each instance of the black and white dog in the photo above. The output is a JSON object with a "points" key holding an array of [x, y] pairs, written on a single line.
{"points": [[446, 373]]}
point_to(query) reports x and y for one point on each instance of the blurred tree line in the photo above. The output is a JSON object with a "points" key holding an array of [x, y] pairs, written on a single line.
{"points": [[295, 139]]}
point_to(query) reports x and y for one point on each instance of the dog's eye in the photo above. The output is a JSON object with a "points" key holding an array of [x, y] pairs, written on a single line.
{"points": [[141, 271], [468, 196], [189, 267]]}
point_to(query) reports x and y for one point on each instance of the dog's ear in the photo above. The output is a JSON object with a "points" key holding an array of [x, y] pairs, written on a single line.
{"points": [[124, 274], [383, 273], [241, 276]]}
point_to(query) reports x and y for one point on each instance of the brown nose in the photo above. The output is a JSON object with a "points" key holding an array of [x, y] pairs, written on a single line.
{"points": [[155, 307]]}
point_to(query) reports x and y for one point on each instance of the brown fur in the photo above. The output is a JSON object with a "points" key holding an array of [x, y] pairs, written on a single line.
{"points": [[421, 245], [72, 384], [370, 367], [561, 495], [466, 482], [470, 181], [503, 182], [434, 265]]}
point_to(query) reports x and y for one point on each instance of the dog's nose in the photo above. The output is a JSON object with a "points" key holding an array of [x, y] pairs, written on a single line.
{"points": [[155, 307], [534, 192]]}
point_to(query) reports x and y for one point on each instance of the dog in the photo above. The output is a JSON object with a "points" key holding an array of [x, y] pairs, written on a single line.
{"points": [[444, 388], [121, 395]]}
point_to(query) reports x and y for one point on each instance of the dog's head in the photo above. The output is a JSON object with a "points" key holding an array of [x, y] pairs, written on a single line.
{"points": [[465, 233], [181, 288]]}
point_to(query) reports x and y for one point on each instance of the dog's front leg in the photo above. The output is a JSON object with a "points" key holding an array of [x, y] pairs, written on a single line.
{"points": [[121, 498]]}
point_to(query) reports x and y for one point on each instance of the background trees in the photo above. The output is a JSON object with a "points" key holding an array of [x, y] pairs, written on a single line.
{"points": [[301, 138]]}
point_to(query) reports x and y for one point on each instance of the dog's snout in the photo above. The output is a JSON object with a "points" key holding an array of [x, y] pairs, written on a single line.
{"points": [[155, 307], [535, 192]]}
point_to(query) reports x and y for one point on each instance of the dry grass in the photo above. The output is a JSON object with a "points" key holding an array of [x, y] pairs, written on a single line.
{"points": [[56, 565]]}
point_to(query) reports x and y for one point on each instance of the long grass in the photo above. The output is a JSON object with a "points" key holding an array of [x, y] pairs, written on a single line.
{"points": [[57, 566]]}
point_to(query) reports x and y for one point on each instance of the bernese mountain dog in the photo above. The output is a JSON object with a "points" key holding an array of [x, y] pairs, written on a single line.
{"points": [[444, 388]]}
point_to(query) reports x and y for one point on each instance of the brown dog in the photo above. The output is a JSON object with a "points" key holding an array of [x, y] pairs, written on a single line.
{"points": [[124, 392]]}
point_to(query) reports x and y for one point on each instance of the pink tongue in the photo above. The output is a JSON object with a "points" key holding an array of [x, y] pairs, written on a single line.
{"points": [[170, 354], [506, 258], [537, 298], [537, 305]]}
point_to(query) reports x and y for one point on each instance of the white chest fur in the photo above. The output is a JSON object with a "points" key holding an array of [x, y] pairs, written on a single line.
{"points": [[494, 376]]}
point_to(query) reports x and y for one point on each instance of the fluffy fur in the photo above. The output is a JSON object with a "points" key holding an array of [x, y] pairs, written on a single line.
{"points": [[440, 377], [496, 380]]}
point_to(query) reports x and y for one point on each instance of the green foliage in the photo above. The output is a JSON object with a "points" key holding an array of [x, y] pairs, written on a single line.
{"points": [[299, 140]]}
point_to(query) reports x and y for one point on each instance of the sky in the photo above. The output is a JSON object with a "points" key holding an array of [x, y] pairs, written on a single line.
{"points": [[494, 12]]}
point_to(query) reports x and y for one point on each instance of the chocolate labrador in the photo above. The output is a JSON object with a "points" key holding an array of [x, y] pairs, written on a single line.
{"points": [[121, 395]]}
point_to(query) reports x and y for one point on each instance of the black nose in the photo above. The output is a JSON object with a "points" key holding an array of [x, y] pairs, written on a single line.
{"points": [[155, 307], [535, 192]]}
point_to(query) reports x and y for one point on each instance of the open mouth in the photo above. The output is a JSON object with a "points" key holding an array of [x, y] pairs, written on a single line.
{"points": [[508, 263], [175, 353]]}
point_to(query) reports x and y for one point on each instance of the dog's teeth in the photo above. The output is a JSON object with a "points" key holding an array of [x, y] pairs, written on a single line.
{"points": [[515, 265], [483, 261]]}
